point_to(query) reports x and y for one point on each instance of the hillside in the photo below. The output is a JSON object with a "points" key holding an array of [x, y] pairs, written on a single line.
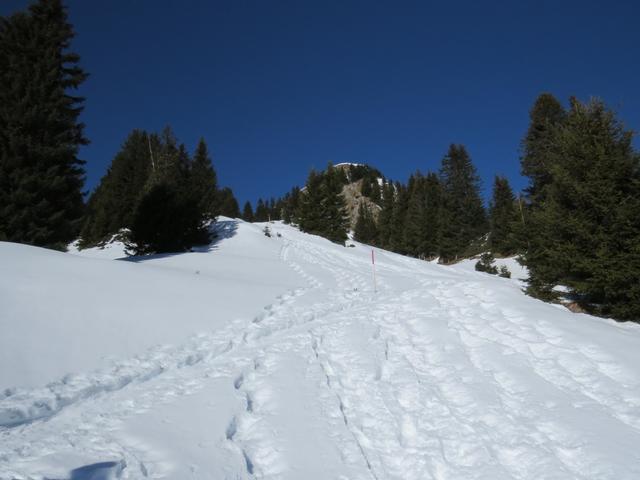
{"points": [[272, 358]]}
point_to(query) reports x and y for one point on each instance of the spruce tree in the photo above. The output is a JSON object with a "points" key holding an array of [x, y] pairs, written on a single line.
{"points": [[204, 181], [41, 176], [503, 218], [385, 216], [247, 212], [412, 232], [228, 204], [336, 221], [112, 205], [431, 218], [262, 211], [545, 115], [365, 230], [309, 212], [587, 231], [464, 217], [398, 219]]}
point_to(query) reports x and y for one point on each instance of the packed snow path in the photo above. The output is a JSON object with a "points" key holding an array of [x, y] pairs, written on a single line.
{"points": [[442, 374]]}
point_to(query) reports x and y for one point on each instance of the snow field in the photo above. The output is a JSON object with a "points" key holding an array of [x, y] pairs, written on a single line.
{"points": [[445, 373]]}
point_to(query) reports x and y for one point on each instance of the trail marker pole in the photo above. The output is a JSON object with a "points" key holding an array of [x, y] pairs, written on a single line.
{"points": [[373, 264]]}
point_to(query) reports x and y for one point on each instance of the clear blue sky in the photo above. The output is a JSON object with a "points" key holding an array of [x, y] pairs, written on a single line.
{"points": [[279, 87]]}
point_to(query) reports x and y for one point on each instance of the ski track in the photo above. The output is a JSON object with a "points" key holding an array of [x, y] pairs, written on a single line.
{"points": [[431, 382]]}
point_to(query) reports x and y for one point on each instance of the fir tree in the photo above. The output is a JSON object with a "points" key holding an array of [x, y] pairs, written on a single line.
{"points": [[321, 208], [546, 114], [385, 216], [586, 234], [503, 218], [335, 216], [41, 177], [365, 229], [431, 219], [464, 218], [262, 211], [413, 230], [228, 203], [204, 182], [398, 219], [112, 205], [247, 212]]}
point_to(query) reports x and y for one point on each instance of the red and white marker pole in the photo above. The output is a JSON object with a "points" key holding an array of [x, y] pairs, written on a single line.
{"points": [[373, 264]]}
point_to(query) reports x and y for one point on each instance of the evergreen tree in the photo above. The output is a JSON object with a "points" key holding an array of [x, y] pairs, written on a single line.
{"points": [[463, 218], [412, 232], [112, 205], [204, 181], [262, 211], [41, 177], [166, 221], [503, 217], [309, 213], [546, 114], [385, 216], [431, 217], [321, 207], [228, 203], [586, 234], [247, 212], [398, 219], [365, 229], [335, 216]]}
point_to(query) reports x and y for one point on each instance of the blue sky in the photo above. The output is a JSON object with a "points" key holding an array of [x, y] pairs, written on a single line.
{"points": [[279, 87]]}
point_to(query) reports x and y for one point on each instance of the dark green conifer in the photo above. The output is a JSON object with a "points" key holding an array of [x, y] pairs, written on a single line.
{"points": [[228, 203], [41, 176], [464, 217], [203, 183], [503, 217], [546, 114], [247, 212], [365, 230]]}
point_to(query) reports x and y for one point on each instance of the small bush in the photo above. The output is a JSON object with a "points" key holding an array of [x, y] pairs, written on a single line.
{"points": [[504, 272], [485, 264]]}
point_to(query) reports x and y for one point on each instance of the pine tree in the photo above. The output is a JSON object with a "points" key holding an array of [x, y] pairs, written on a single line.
{"points": [[228, 203], [385, 216], [546, 114], [112, 205], [398, 219], [247, 212], [502, 217], [431, 218], [586, 234], [365, 229], [412, 231], [204, 181], [41, 177], [321, 207], [463, 218], [262, 211], [309, 213], [335, 216]]}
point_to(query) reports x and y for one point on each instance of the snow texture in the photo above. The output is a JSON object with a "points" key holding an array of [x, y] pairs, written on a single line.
{"points": [[273, 358]]}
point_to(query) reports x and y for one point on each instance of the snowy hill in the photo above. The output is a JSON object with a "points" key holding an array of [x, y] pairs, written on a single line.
{"points": [[274, 358]]}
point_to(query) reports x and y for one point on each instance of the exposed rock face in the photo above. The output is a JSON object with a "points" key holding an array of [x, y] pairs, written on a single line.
{"points": [[353, 197]]}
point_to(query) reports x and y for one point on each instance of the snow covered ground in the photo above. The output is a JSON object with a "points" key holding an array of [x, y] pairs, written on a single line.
{"points": [[273, 358]]}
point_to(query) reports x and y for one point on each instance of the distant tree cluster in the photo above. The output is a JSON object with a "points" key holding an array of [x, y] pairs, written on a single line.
{"points": [[433, 215], [161, 195]]}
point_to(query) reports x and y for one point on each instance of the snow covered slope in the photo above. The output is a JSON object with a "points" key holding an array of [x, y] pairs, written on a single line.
{"points": [[274, 358]]}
